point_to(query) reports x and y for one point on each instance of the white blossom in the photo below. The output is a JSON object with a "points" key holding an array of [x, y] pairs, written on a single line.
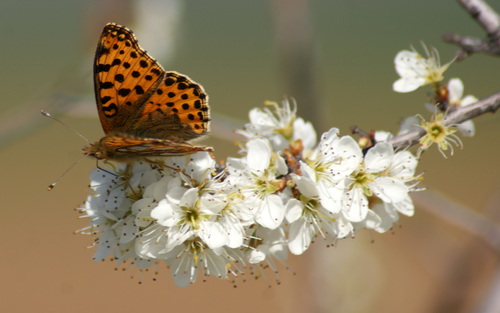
{"points": [[383, 174], [334, 159], [416, 70], [258, 173], [281, 127]]}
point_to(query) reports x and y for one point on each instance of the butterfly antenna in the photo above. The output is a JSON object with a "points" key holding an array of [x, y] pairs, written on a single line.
{"points": [[47, 114], [51, 186]]}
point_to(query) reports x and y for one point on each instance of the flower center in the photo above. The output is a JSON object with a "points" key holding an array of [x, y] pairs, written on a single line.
{"points": [[268, 186], [310, 205], [436, 131], [191, 216], [361, 180]]}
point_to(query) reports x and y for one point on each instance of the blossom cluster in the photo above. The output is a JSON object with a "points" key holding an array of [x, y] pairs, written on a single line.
{"points": [[286, 190], [416, 70]]}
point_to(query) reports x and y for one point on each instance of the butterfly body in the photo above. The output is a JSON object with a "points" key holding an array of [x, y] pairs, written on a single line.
{"points": [[123, 147], [144, 110]]}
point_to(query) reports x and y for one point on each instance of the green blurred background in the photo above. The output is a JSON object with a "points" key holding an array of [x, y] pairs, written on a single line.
{"points": [[334, 57]]}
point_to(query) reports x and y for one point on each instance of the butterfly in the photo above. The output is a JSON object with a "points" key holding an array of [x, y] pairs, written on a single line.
{"points": [[144, 110]]}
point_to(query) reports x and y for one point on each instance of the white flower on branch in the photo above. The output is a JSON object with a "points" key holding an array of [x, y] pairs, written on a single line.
{"points": [[384, 175], [280, 127], [258, 173], [416, 70], [331, 162]]}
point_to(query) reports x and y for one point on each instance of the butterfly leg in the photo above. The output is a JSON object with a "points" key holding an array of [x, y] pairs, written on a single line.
{"points": [[104, 170]]}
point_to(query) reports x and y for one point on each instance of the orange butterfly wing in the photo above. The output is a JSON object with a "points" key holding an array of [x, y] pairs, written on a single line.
{"points": [[182, 103], [144, 111], [124, 77]]}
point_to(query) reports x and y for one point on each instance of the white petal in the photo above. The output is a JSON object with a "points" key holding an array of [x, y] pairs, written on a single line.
{"points": [[143, 218], [259, 154], [372, 220], [304, 131], [235, 164], [281, 167], [328, 139], [189, 198], [213, 234], [300, 236], [455, 89], [350, 153], [176, 236], [200, 165], [106, 243], [279, 251], [330, 197], [387, 216], [468, 100], [344, 227], [467, 128], [408, 125], [307, 171], [258, 117], [407, 62], [407, 84], [278, 142], [140, 204], [217, 264], [345, 156], [405, 206], [128, 231], [355, 205], [381, 136], [256, 256], [271, 212], [175, 191], [212, 204], [184, 277], [165, 213], [294, 210], [160, 188], [235, 231], [306, 186], [277, 247], [403, 165], [379, 157], [151, 242], [389, 189]]}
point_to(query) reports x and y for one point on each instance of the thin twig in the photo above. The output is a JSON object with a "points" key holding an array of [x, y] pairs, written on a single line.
{"points": [[488, 104], [483, 14], [469, 45], [489, 20]]}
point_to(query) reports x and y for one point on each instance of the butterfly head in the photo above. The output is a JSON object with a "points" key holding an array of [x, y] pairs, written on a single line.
{"points": [[95, 150]]}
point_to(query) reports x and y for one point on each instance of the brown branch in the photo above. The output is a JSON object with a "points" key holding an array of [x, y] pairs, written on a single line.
{"points": [[488, 104], [489, 20], [469, 45], [484, 15]]}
